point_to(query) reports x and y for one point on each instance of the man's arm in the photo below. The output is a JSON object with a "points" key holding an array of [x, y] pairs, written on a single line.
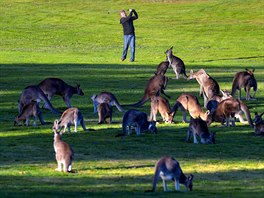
{"points": [[135, 14]]}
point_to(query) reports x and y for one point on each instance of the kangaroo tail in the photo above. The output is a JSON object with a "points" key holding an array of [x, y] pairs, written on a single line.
{"points": [[175, 107], [244, 108], [233, 91], [139, 103]]}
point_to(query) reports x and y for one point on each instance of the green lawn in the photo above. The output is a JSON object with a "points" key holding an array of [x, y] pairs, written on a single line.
{"points": [[79, 42]]}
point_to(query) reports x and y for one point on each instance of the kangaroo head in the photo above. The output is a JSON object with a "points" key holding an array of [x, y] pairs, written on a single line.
{"points": [[169, 51], [152, 127], [250, 72], [189, 182], [204, 115], [258, 118], [169, 118], [55, 125], [79, 90]]}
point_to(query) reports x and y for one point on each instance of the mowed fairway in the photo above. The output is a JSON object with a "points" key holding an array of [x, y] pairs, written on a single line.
{"points": [[80, 41]]}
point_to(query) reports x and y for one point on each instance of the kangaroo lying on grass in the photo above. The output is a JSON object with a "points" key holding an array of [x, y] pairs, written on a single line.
{"points": [[34, 93], [208, 86], [176, 63], [71, 116], [139, 120], [63, 153], [56, 86], [161, 105], [104, 112], [31, 109], [155, 87], [106, 97], [169, 168], [246, 80], [189, 102], [162, 68], [259, 124], [227, 109], [198, 127]]}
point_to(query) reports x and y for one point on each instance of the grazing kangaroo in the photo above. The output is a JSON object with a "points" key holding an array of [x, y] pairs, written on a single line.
{"points": [[56, 86], [259, 124], [161, 105], [71, 116], [198, 127], [176, 63], [169, 168], [31, 109], [104, 112], [139, 120], [246, 80], [63, 153], [189, 102], [155, 87], [106, 97], [162, 68], [34, 93], [227, 109], [208, 86]]}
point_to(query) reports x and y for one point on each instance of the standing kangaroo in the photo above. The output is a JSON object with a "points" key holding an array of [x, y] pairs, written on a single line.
{"points": [[71, 116], [162, 68], [31, 109], [34, 93], [106, 97], [198, 127], [176, 63], [227, 109], [161, 105], [246, 80], [139, 120], [169, 168], [155, 87], [56, 86], [104, 112], [208, 86], [63, 153], [189, 102], [259, 124]]}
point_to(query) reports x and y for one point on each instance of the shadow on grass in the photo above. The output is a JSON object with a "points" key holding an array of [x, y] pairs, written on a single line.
{"points": [[238, 183]]}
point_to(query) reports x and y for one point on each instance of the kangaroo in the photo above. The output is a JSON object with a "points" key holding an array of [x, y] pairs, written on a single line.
{"points": [[161, 105], [246, 80], [169, 168], [189, 102], [198, 127], [227, 109], [106, 97], [63, 153], [259, 124], [31, 109], [208, 86], [137, 119], [34, 93], [69, 117], [155, 87], [104, 112], [176, 63], [56, 86], [162, 68]]}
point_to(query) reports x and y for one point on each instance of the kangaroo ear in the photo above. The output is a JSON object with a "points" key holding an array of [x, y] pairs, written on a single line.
{"points": [[207, 112], [253, 70], [171, 47], [56, 121], [190, 177]]}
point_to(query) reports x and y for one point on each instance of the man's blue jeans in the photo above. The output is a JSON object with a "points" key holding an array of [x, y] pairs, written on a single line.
{"points": [[129, 40]]}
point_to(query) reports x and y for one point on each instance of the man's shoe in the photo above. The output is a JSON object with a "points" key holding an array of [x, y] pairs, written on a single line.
{"points": [[122, 59]]}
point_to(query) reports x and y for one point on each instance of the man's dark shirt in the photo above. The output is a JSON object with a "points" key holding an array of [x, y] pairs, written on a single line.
{"points": [[127, 23]]}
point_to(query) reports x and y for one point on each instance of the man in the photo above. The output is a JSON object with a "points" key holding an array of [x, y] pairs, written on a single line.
{"points": [[129, 33]]}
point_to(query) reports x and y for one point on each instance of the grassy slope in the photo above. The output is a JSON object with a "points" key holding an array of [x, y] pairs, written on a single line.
{"points": [[80, 42]]}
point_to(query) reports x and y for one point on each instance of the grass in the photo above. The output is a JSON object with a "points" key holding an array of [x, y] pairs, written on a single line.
{"points": [[78, 41]]}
